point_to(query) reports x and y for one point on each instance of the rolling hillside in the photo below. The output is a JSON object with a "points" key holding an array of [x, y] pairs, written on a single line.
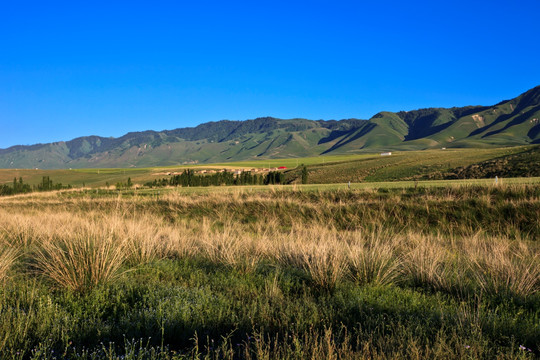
{"points": [[508, 123], [521, 161]]}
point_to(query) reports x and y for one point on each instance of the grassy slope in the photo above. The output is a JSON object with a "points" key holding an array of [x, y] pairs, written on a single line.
{"points": [[526, 163], [508, 123], [401, 165]]}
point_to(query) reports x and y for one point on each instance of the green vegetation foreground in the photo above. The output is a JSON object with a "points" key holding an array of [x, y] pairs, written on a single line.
{"points": [[363, 273]]}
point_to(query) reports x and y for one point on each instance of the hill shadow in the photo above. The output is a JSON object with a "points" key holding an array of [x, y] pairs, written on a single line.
{"points": [[518, 120], [348, 138]]}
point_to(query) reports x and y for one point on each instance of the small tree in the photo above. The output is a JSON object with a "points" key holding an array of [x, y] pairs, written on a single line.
{"points": [[304, 175], [46, 183]]}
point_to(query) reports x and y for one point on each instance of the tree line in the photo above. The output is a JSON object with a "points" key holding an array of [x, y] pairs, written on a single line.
{"points": [[189, 178], [185, 179], [20, 187]]}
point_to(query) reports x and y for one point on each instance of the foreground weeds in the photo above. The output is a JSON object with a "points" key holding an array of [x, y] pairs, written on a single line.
{"points": [[429, 273]]}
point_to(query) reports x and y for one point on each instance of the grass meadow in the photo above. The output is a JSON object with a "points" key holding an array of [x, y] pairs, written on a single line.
{"points": [[412, 272], [324, 169]]}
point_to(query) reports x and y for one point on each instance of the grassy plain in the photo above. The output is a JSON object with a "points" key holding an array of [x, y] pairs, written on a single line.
{"points": [[405, 165], [292, 272], [98, 177]]}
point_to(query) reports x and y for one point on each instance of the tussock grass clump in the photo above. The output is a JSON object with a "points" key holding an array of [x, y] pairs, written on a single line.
{"points": [[320, 251], [146, 238], [504, 268], [229, 246], [427, 263], [20, 230], [325, 263], [80, 262], [375, 258]]}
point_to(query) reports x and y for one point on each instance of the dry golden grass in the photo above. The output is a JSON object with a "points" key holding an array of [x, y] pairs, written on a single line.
{"points": [[325, 262], [501, 266], [82, 241], [80, 262], [228, 246], [427, 261], [375, 257], [8, 256]]}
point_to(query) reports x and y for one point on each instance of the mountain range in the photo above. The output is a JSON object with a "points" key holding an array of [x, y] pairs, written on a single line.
{"points": [[508, 123]]}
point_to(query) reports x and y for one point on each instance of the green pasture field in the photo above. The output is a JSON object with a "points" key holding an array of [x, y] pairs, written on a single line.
{"points": [[322, 169], [501, 182], [99, 177], [295, 162]]}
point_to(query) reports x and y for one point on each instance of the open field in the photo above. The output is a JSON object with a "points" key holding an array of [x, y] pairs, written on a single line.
{"points": [[98, 177], [395, 270], [244, 189], [345, 186], [322, 169]]}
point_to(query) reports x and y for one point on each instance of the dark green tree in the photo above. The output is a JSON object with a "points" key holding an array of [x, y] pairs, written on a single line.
{"points": [[46, 184], [304, 175]]}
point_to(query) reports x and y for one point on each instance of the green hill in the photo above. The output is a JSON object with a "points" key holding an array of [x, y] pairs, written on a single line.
{"points": [[428, 165], [521, 164], [508, 123]]}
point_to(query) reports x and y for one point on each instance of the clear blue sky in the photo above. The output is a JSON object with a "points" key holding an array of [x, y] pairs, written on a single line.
{"points": [[70, 69]]}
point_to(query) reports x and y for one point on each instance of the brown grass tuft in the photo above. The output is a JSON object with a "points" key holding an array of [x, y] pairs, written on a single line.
{"points": [[426, 262], [81, 261], [501, 267], [374, 258], [229, 246]]}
